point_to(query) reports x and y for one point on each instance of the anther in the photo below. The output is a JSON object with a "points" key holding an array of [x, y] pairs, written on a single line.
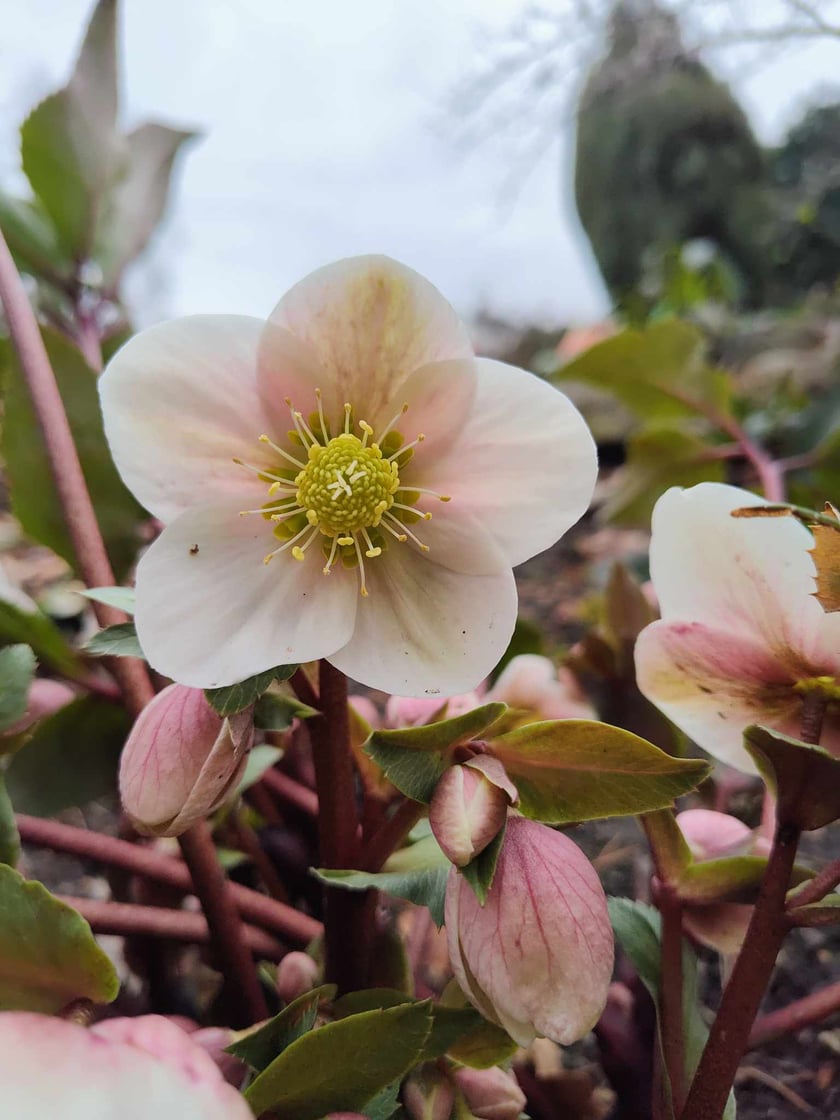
{"points": [[321, 419], [348, 408], [264, 439], [367, 429], [392, 422], [406, 447]]}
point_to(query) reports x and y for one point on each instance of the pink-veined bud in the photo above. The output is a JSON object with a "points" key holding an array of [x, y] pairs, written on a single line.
{"points": [[131, 1068], [491, 1094], [469, 807], [537, 958], [296, 973], [409, 711], [181, 760], [534, 684], [45, 697], [428, 1094]]}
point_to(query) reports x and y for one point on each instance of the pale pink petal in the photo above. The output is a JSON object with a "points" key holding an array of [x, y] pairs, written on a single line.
{"points": [[713, 683], [180, 402], [524, 464], [371, 322], [440, 397], [425, 630], [210, 612], [754, 575]]}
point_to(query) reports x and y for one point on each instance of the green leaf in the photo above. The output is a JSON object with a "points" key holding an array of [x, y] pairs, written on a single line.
{"points": [[384, 1104], [48, 955], [33, 241], [237, 697], [275, 712], [342, 1066], [414, 772], [70, 148], [659, 372], [34, 499], [417, 873], [123, 598], [17, 671], [445, 733], [481, 871], [669, 847], [116, 641], [574, 770], [137, 203], [804, 777], [482, 1045], [657, 458], [70, 759], [9, 838], [729, 879], [38, 630], [260, 759], [261, 1047]]}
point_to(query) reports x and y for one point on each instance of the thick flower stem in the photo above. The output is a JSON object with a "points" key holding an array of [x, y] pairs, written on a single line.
{"points": [[804, 1012], [347, 915], [391, 834], [742, 996], [671, 994]]}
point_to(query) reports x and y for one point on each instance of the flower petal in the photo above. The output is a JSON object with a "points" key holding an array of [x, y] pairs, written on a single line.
{"points": [[371, 322], [713, 683], [425, 630], [439, 396], [211, 613], [524, 464], [180, 401]]}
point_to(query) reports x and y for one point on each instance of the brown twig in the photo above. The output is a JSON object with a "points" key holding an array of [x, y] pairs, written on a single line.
{"points": [[248, 842], [671, 994], [290, 792], [128, 919], [804, 1012]]}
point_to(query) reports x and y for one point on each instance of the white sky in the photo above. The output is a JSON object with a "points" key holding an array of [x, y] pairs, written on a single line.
{"points": [[323, 139]]}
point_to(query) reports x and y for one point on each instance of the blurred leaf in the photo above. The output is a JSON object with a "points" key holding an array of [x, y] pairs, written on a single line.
{"points": [[657, 458], [137, 203], [123, 598], [481, 871], [669, 848], [659, 372], [48, 956], [483, 1046], [39, 631], [574, 770], [627, 610], [70, 759], [237, 697], [729, 879], [527, 638], [34, 499], [275, 712], [70, 147], [826, 554], [17, 671], [259, 1048], [342, 1066], [32, 240], [384, 1104], [804, 777], [116, 641], [261, 758], [445, 733], [9, 838]]}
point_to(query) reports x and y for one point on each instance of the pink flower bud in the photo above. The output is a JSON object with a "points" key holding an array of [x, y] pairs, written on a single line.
{"points": [[366, 709], [297, 973], [131, 1068], [491, 1094], [469, 807], [409, 711], [537, 957], [45, 697], [710, 835], [534, 684], [427, 1094], [181, 760]]}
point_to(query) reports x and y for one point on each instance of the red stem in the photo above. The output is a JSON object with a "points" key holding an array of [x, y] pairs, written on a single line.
{"points": [[127, 919], [290, 792], [801, 1013], [817, 888], [139, 860], [671, 994], [390, 835]]}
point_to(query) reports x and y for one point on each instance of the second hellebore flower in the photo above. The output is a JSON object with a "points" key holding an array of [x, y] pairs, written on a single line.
{"points": [[345, 481], [537, 958], [741, 636]]}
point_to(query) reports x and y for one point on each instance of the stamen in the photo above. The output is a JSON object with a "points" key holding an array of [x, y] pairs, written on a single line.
{"points": [[306, 529], [411, 509], [372, 550], [348, 408], [344, 541], [321, 419], [406, 447], [261, 471], [328, 568], [408, 532], [271, 509], [424, 490], [363, 591], [299, 551], [401, 537], [367, 429], [285, 454], [391, 423], [276, 487], [300, 420]]}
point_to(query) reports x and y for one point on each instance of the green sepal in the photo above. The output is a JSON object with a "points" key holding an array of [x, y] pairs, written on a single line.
{"points": [[481, 871], [119, 640], [804, 777], [237, 697], [259, 1048]]}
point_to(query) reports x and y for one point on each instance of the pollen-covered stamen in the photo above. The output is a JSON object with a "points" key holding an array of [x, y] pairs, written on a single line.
{"points": [[394, 420], [321, 419], [290, 544], [425, 490], [265, 475], [404, 530], [279, 450], [406, 447]]}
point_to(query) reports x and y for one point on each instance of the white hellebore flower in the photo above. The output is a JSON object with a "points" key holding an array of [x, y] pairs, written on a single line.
{"points": [[345, 481], [742, 637]]}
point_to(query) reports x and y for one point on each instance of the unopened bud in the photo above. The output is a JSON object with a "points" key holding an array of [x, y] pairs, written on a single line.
{"points": [[710, 835], [469, 807], [534, 684], [545, 917], [45, 697], [413, 711], [297, 973], [491, 1094], [427, 1094], [181, 761]]}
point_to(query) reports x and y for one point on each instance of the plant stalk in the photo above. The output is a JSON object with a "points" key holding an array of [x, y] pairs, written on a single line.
{"points": [[804, 1012]]}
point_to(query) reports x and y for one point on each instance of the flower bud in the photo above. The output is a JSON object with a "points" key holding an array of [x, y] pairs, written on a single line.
{"points": [[411, 711], [45, 697], [537, 957], [469, 807], [491, 1094], [297, 973], [131, 1068], [533, 683], [427, 1094], [710, 835], [181, 760]]}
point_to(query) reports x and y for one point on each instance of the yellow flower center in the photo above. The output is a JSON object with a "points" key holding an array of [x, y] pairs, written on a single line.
{"points": [[344, 489]]}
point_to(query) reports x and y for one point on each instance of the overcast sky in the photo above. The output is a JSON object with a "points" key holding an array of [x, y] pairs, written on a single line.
{"points": [[323, 138]]}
